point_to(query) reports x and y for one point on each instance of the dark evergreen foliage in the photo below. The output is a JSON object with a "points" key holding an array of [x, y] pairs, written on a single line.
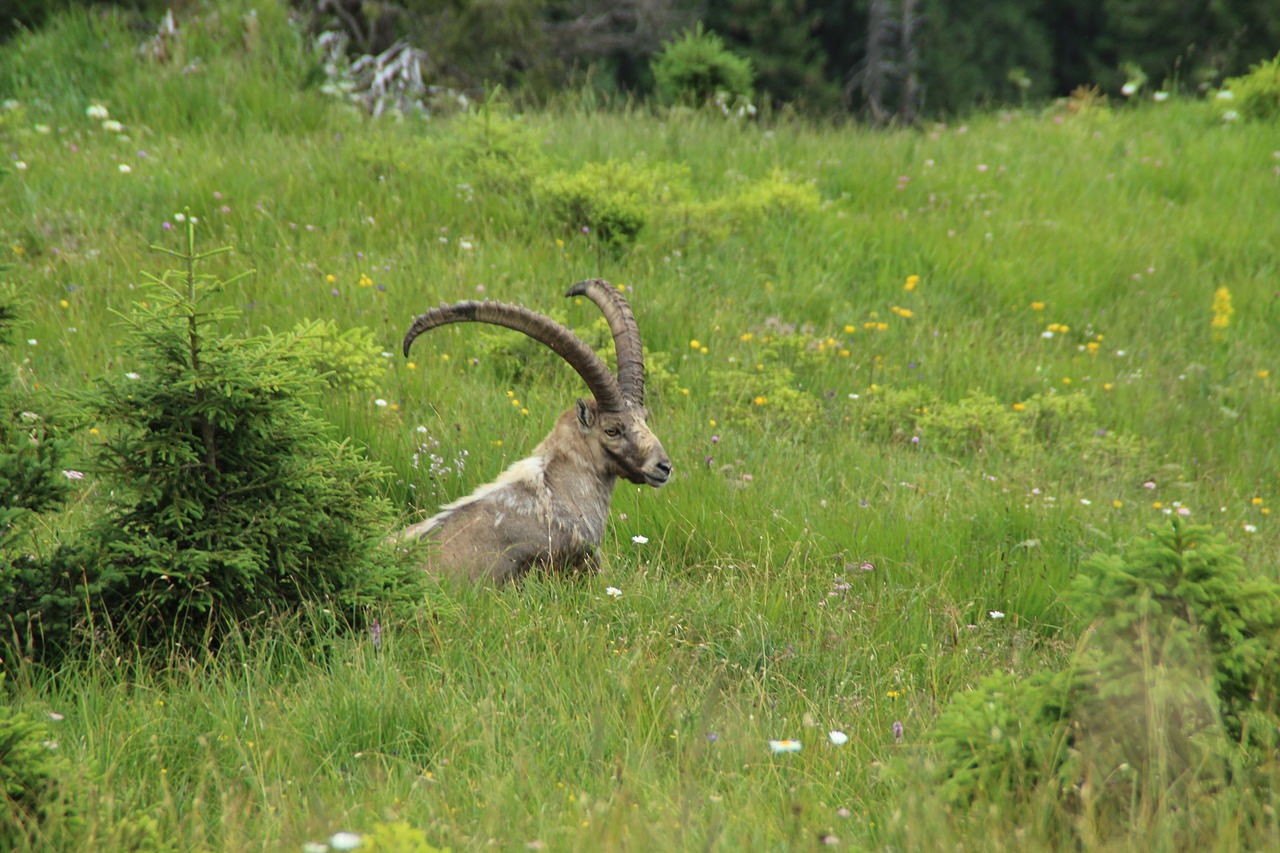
{"points": [[31, 473], [229, 500], [1172, 691]]}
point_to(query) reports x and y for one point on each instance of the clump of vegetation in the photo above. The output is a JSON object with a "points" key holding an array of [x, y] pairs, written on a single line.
{"points": [[349, 360], [1183, 600], [1172, 696], [778, 194], [229, 499], [34, 775], [777, 388], [980, 424], [1257, 93], [32, 478], [612, 200], [693, 69], [397, 837], [497, 149]]}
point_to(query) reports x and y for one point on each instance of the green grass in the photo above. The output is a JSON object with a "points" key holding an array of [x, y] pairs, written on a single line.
{"points": [[551, 711]]}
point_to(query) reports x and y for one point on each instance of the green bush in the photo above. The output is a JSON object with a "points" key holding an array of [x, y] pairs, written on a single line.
{"points": [[1171, 698], [1189, 588], [398, 837], [974, 424], [779, 194], [229, 500], [978, 423], [611, 200], [693, 69], [1002, 739], [33, 778], [350, 360], [32, 478], [1257, 93], [496, 149]]}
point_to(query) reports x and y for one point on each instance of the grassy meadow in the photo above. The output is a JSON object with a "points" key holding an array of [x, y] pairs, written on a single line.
{"points": [[905, 396]]}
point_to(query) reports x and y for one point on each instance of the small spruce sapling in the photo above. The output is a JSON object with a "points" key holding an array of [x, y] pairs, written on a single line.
{"points": [[230, 499], [32, 478]]}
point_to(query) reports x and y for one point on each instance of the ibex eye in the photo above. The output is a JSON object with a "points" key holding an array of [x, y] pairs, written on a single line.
{"points": [[612, 432]]}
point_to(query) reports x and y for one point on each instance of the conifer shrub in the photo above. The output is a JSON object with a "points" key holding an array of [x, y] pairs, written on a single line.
{"points": [[348, 360], [34, 776], [397, 837], [496, 148], [32, 477], [777, 195], [1169, 707], [612, 200], [978, 424], [693, 69], [1257, 93], [230, 500]]}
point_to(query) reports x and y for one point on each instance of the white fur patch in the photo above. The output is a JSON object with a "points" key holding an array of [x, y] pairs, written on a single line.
{"points": [[528, 470]]}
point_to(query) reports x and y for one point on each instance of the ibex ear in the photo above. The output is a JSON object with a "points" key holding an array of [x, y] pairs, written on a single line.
{"points": [[586, 417]]}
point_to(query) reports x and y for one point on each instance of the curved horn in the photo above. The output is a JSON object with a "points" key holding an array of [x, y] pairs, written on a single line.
{"points": [[543, 329], [626, 334]]}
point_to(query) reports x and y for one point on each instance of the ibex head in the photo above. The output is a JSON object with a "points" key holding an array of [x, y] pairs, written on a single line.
{"points": [[616, 439]]}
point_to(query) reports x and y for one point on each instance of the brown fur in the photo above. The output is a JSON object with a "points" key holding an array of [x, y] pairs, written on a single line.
{"points": [[550, 509]]}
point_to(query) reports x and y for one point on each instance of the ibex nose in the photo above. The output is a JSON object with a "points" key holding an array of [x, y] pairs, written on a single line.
{"points": [[660, 474]]}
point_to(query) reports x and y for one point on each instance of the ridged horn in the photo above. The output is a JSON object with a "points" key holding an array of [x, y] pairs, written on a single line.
{"points": [[626, 334], [537, 326]]}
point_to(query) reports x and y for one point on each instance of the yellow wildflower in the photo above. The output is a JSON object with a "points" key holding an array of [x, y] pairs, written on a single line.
{"points": [[1222, 309]]}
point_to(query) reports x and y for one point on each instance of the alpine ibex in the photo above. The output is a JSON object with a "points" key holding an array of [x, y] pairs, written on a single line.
{"points": [[549, 509]]}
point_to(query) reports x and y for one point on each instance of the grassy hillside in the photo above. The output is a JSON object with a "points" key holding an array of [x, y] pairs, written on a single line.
{"points": [[908, 379]]}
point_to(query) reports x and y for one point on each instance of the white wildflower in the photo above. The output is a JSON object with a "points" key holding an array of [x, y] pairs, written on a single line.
{"points": [[344, 841]]}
